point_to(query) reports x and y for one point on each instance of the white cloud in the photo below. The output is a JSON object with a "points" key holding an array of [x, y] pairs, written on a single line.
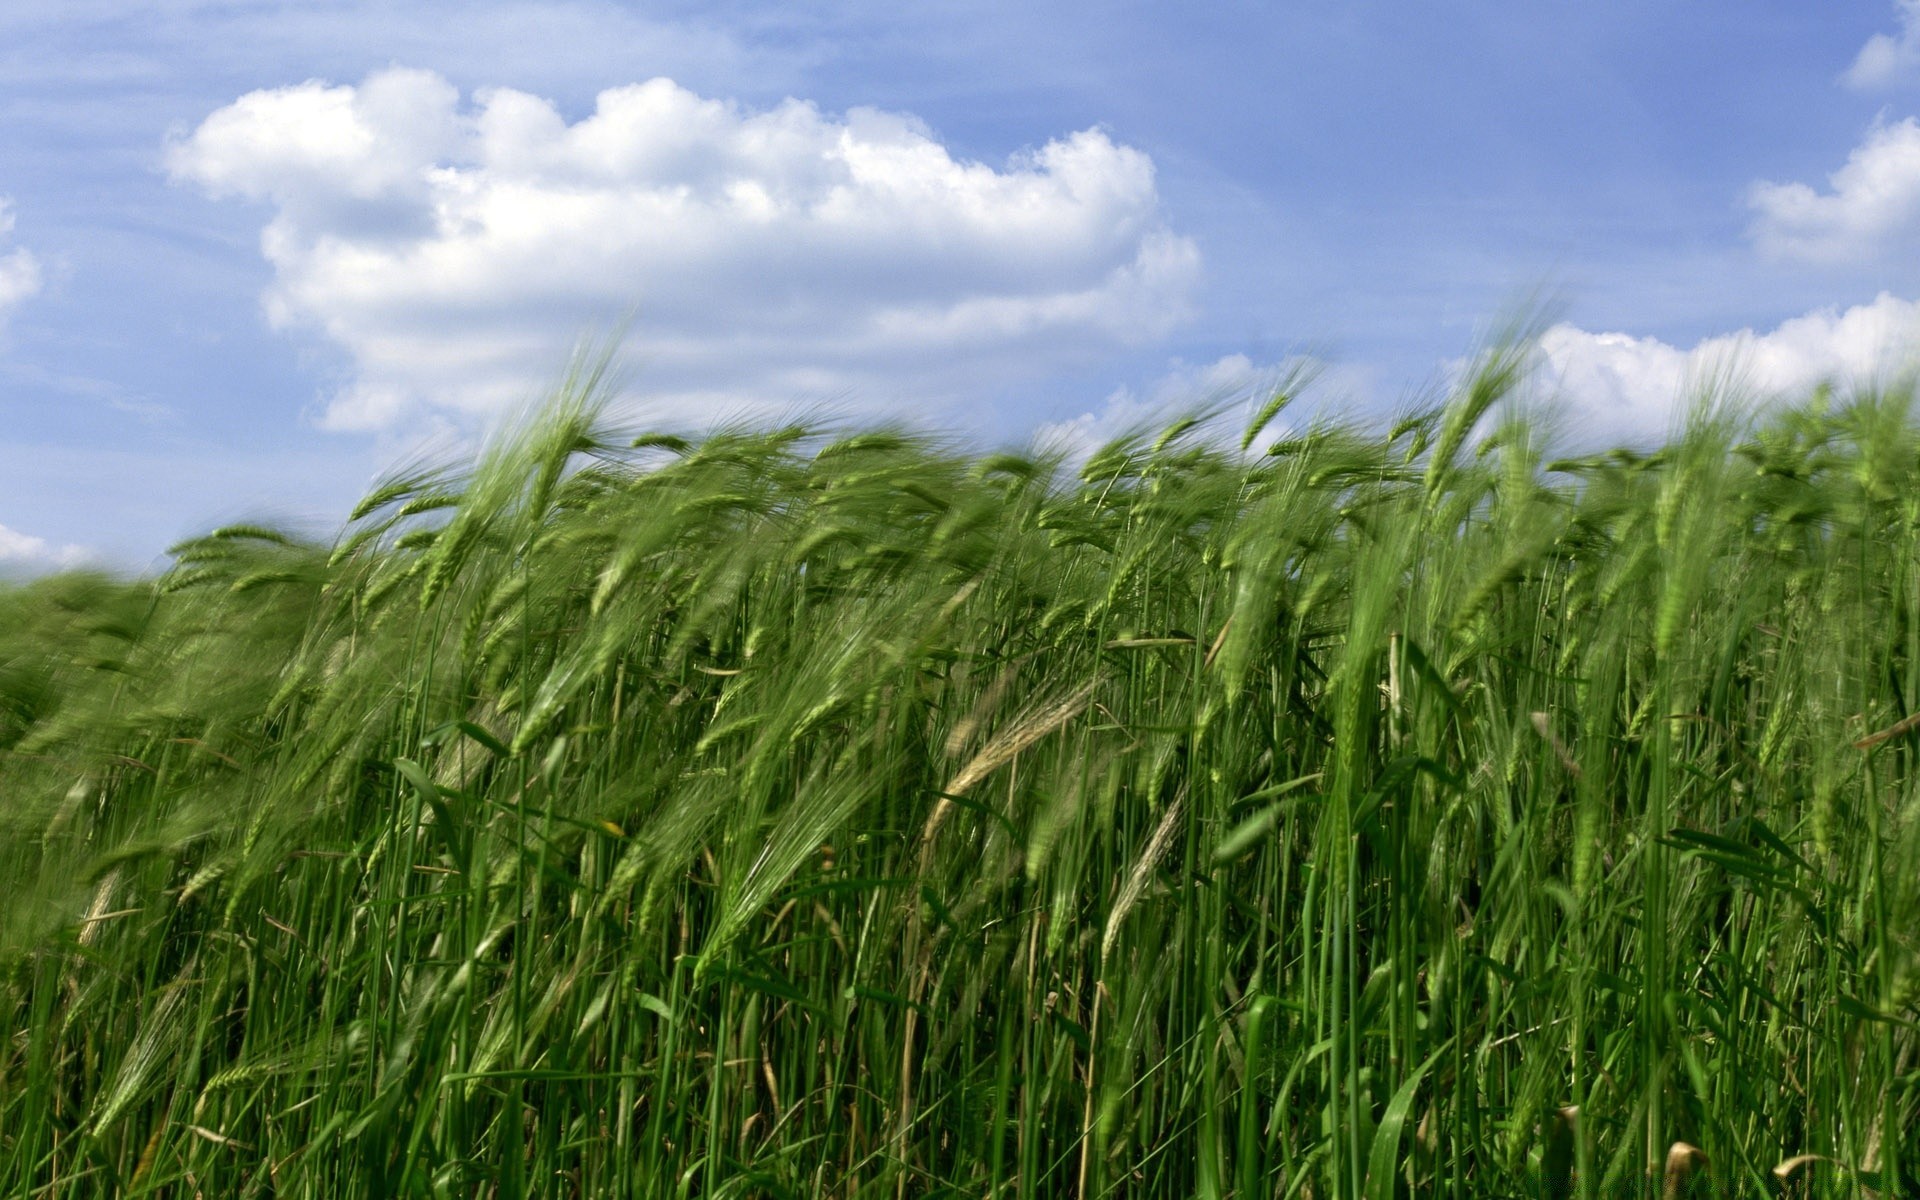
{"points": [[1623, 387], [1872, 206], [1233, 384], [1889, 59], [21, 550], [456, 251], [19, 270]]}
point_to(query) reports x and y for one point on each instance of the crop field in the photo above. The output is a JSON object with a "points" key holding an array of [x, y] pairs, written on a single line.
{"points": [[1396, 811]]}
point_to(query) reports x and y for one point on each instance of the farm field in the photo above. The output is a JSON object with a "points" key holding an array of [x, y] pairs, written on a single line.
{"points": [[1400, 811]]}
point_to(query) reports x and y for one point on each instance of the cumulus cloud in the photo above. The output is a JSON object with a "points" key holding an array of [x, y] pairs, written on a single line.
{"points": [[1889, 59], [19, 270], [1630, 388], [1872, 205], [455, 249], [21, 551]]}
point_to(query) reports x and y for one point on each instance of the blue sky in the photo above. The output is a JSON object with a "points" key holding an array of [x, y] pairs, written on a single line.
{"points": [[251, 253]]}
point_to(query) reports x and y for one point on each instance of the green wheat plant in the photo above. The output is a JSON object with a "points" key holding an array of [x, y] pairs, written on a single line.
{"points": [[1399, 811]]}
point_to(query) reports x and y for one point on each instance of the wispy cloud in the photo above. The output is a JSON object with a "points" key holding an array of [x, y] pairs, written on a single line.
{"points": [[1889, 59], [1230, 388], [1872, 204], [105, 45], [20, 277], [455, 250], [22, 551]]}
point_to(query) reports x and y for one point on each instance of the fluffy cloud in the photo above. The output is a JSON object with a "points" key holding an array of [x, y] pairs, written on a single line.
{"points": [[1622, 387], [1872, 206], [19, 270], [1889, 59], [456, 250], [18, 550]]}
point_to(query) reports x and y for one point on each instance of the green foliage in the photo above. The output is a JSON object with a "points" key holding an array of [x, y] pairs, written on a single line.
{"points": [[771, 814]]}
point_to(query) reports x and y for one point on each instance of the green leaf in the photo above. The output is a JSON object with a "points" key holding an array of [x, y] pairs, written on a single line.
{"points": [[1383, 1159]]}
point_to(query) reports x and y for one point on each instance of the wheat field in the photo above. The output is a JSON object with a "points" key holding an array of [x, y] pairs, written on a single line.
{"points": [[1398, 810]]}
